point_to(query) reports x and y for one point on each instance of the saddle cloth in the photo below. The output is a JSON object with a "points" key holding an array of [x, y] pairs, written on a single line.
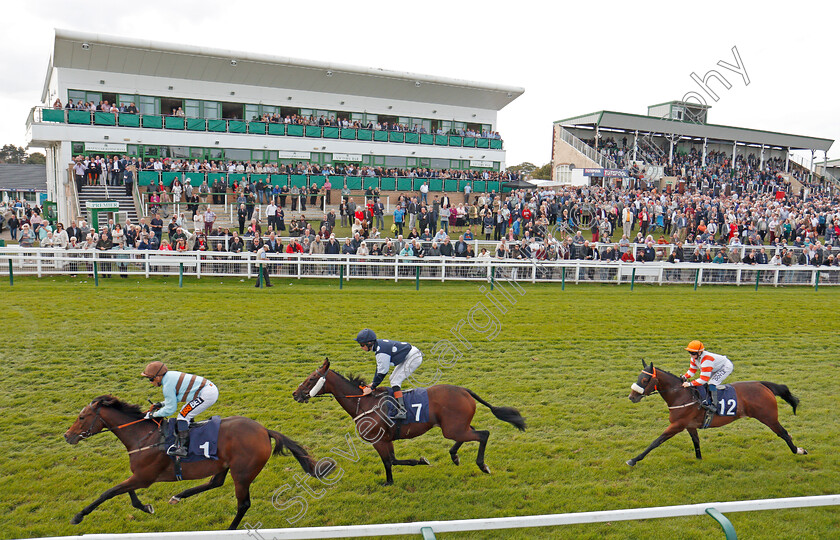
{"points": [[204, 437], [727, 399], [416, 406]]}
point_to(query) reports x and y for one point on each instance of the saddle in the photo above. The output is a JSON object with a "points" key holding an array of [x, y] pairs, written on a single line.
{"points": [[201, 444]]}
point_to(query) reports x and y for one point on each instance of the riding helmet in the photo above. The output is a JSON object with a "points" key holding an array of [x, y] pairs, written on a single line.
{"points": [[154, 369], [366, 336], [695, 346]]}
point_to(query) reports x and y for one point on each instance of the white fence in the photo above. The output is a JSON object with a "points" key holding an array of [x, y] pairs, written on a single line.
{"points": [[141, 263], [429, 528]]}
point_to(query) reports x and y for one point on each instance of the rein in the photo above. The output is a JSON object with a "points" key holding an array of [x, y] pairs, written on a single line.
{"points": [[656, 391]]}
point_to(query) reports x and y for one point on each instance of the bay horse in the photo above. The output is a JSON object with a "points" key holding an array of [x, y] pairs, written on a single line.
{"points": [[243, 448], [755, 400], [450, 407]]}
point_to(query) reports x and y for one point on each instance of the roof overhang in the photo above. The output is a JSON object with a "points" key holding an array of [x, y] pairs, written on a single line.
{"points": [[178, 61], [649, 124]]}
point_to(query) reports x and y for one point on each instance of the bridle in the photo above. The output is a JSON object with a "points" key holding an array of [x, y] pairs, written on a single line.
{"points": [[90, 433]]}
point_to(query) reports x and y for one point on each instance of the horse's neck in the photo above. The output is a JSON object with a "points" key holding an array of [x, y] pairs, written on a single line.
{"points": [[128, 435], [670, 388], [340, 388]]}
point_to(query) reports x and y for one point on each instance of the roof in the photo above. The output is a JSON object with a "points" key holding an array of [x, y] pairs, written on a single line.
{"points": [[178, 61], [692, 104], [716, 132], [14, 177]]}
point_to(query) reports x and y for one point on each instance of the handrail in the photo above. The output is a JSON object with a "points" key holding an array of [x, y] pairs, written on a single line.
{"points": [[595, 155]]}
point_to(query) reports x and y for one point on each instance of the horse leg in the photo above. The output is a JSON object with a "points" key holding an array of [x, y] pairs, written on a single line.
{"points": [[696, 440], [216, 481], [386, 450], [777, 428], [672, 430], [129, 485], [453, 453], [409, 462], [243, 495], [482, 444], [135, 502]]}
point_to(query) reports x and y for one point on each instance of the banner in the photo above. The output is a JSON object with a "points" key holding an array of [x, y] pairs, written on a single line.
{"points": [[102, 204], [482, 164], [106, 147], [609, 173], [293, 155], [347, 157]]}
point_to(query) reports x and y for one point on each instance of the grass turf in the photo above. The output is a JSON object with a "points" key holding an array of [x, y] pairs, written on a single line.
{"points": [[565, 359]]}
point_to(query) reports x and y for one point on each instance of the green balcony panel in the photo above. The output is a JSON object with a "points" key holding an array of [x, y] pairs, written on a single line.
{"points": [[427, 138], [482, 143], [371, 182], [217, 126], [212, 177], [78, 117], [152, 121], [236, 177], [52, 115], [257, 177], [480, 186], [441, 140], [145, 178], [419, 182], [412, 138], [313, 131], [167, 177], [387, 183], [337, 181], [299, 180], [237, 126], [331, 132], [469, 142], [493, 186], [129, 120], [257, 128], [196, 179], [380, 136], [396, 136], [364, 135], [294, 130], [450, 184], [196, 124], [462, 183], [174, 122], [349, 134], [104, 118], [354, 182], [496, 144], [276, 129], [279, 179], [455, 141], [403, 184], [435, 184]]}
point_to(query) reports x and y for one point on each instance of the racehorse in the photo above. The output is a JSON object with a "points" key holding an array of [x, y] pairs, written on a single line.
{"points": [[243, 448], [450, 407], [755, 400]]}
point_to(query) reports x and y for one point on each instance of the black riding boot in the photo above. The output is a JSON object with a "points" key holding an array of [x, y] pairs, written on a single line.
{"points": [[180, 447], [711, 401], [400, 414]]}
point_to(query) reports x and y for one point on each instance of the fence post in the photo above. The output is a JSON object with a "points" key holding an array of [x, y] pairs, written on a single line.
{"points": [[724, 522], [181, 275], [817, 282], [563, 282], [417, 278], [632, 278], [757, 278], [696, 277], [96, 273], [341, 276], [259, 277], [492, 275], [11, 273], [428, 533]]}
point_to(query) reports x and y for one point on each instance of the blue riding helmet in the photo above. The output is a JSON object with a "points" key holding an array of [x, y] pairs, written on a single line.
{"points": [[366, 336]]}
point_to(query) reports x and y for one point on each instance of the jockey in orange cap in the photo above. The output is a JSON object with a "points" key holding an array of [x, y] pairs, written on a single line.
{"points": [[714, 368]]}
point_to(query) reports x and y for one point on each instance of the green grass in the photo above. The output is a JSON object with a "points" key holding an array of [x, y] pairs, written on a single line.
{"points": [[565, 359]]}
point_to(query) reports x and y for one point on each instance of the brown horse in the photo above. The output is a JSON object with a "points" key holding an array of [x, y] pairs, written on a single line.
{"points": [[755, 400], [243, 448], [450, 407]]}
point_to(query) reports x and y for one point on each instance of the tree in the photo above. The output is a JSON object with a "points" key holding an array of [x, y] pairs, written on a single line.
{"points": [[524, 169], [12, 154], [36, 158], [542, 173]]}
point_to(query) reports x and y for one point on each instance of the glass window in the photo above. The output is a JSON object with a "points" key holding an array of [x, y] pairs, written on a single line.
{"points": [[212, 110], [269, 109], [379, 160], [237, 154], [357, 117], [411, 162], [454, 164], [78, 148], [427, 125], [150, 151], [326, 158], [272, 156], [147, 105], [424, 162], [372, 118], [394, 161], [215, 153], [197, 153], [257, 155], [192, 108], [133, 150], [252, 112], [367, 160], [77, 95], [127, 99], [438, 163]]}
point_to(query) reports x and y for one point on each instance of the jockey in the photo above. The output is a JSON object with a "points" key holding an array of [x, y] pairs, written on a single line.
{"points": [[197, 392], [405, 357], [714, 368]]}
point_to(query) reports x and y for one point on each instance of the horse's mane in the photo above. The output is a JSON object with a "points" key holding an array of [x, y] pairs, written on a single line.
{"points": [[355, 380], [115, 403]]}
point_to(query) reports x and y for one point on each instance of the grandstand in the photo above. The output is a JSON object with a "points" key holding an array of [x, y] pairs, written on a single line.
{"points": [[668, 133], [180, 102]]}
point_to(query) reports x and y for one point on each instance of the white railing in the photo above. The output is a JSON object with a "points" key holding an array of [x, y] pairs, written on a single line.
{"points": [[429, 528], [586, 150], [40, 262]]}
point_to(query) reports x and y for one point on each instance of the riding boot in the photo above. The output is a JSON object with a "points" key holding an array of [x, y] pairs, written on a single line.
{"points": [[398, 395], [182, 432], [713, 399]]}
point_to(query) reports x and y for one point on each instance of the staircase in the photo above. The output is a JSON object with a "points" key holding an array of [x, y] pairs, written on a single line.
{"points": [[581, 154], [108, 193]]}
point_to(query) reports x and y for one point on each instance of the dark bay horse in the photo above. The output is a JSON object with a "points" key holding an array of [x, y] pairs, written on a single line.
{"points": [[243, 448], [755, 400], [450, 407]]}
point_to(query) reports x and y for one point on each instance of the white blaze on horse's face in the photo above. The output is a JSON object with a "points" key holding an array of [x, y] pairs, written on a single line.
{"points": [[318, 386], [638, 389]]}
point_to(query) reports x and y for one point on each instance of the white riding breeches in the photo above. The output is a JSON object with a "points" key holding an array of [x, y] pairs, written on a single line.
{"points": [[718, 376], [202, 401], [404, 370]]}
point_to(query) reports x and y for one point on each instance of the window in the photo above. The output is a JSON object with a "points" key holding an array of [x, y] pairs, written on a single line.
{"points": [[215, 153], [127, 99], [237, 154], [394, 161], [252, 112], [147, 105], [77, 95], [257, 155], [192, 108], [196, 153], [78, 148], [212, 110], [438, 163], [563, 174]]}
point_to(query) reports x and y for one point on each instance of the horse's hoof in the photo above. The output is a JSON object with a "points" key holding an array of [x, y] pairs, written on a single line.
{"points": [[174, 500], [455, 459], [149, 509], [77, 519], [801, 451], [631, 462], [423, 461], [386, 484], [484, 468]]}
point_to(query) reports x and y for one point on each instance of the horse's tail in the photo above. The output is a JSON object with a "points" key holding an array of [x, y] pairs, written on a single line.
{"points": [[281, 442], [783, 392], [508, 414]]}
